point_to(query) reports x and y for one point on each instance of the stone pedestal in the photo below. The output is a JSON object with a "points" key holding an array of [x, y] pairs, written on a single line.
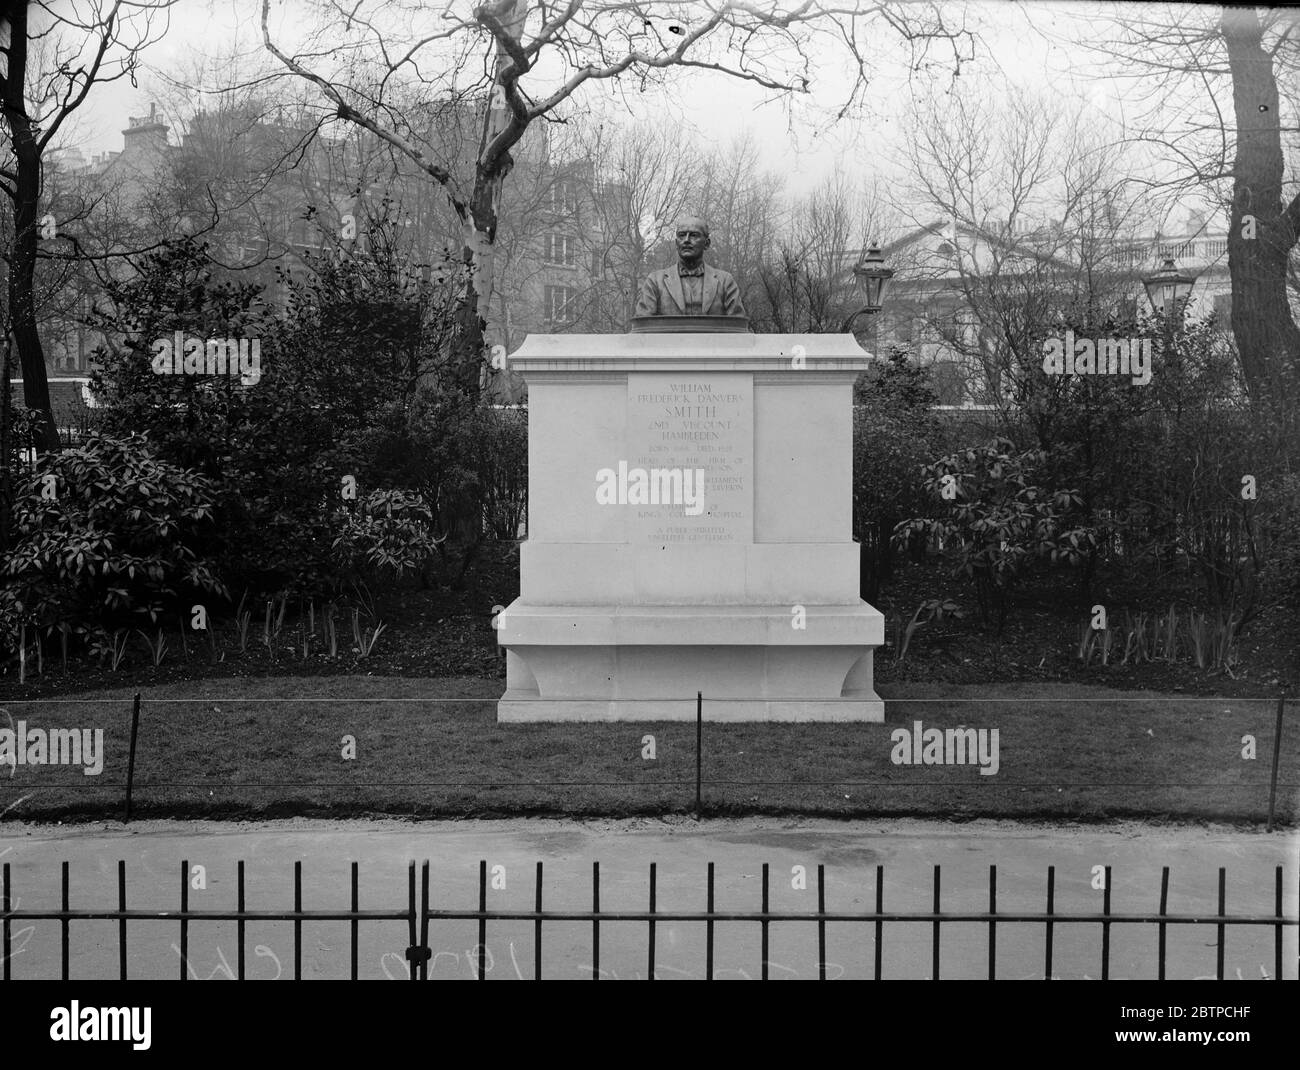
{"points": [[637, 589]]}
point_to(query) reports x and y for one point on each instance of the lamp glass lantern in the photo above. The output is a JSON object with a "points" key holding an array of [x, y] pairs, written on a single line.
{"points": [[1168, 287], [875, 278]]}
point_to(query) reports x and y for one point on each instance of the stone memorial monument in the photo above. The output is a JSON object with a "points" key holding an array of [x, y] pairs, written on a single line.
{"points": [[689, 518]]}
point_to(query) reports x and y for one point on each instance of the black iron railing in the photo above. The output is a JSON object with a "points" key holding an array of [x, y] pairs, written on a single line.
{"points": [[419, 917]]}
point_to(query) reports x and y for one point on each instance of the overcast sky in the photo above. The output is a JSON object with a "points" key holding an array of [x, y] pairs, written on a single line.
{"points": [[1015, 46]]}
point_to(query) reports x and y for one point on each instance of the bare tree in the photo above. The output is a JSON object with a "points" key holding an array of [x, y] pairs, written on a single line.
{"points": [[1029, 225], [517, 45], [1212, 84], [1268, 340], [809, 285], [54, 55], [646, 177], [745, 210]]}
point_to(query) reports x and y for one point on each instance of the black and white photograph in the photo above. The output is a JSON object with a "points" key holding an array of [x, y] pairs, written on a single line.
{"points": [[615, 490]]}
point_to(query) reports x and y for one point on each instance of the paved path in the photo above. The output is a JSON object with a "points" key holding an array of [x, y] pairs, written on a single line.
{"points": [[682, 848]]}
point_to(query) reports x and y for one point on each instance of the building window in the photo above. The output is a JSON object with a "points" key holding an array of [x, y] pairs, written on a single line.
{"points": [[560, 249], [560, 304], [563, 197]]}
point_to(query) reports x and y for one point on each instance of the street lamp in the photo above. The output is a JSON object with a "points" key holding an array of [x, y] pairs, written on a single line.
{"points": [[1167, 288], [874, 276]]}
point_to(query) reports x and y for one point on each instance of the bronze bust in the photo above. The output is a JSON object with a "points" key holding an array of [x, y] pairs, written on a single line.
{"points": [[690, 287]]}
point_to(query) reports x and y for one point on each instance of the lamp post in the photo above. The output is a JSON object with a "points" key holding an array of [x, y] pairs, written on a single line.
{"points": [[874, 277], [1168, 288]]}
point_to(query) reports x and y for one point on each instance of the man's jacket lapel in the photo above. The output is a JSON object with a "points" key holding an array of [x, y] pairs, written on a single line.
{"points": [[710, 289], [674, 283]]}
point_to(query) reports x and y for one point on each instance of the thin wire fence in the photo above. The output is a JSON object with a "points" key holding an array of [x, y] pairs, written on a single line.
{"points": [[1250, 791]]}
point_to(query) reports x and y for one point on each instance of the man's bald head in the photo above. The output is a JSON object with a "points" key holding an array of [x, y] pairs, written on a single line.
{"points": [[692, 239], [693, 222]]}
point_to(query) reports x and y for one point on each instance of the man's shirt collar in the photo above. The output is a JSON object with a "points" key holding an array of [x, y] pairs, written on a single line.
{"points": [[686, 272]]}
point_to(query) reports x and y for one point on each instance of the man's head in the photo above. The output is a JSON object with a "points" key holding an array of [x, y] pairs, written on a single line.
{"points": [[692, 239]]}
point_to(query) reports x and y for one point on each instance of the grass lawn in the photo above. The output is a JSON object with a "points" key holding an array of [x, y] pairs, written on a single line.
{"points": [[1066, 750]]}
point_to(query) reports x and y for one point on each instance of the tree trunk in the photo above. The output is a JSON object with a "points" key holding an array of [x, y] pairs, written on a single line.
{"points": [[6, 424], [1261, 233], [22, 264], [502, 129], [467, 341]]}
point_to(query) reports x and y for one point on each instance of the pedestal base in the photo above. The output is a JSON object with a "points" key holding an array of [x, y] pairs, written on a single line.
{"points": [[646, 663], [518, 706]]}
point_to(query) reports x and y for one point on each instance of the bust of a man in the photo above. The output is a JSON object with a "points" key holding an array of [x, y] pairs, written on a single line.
{"points": [[690, 287]]}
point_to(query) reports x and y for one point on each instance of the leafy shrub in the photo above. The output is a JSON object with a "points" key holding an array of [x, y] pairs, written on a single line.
{"points": [[503, 469], [106, 535], [998, 520], [894, 433], [445, 428], [1159, 467], [470, 462], [388, 535], [340, 366]]}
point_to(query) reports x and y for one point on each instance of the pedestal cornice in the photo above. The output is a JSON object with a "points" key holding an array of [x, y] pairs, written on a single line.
{"points": [[593, 354]]}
